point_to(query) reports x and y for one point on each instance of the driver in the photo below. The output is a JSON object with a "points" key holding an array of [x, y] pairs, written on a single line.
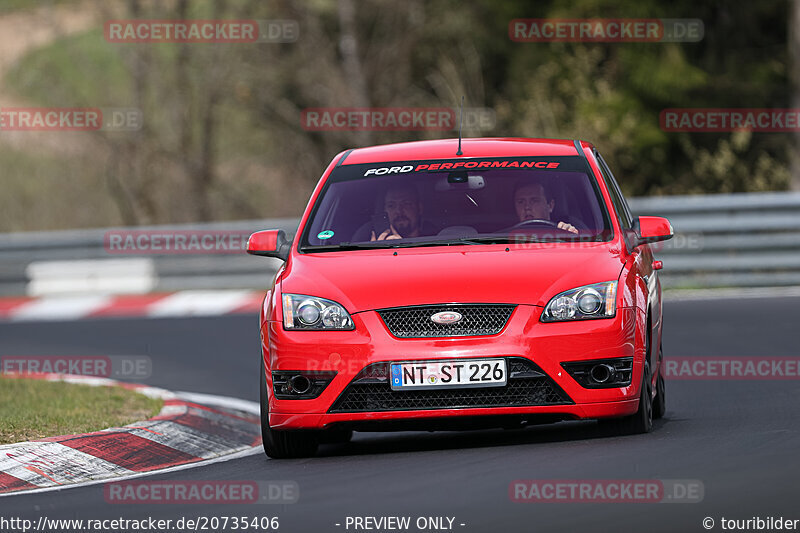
{"points": [[532, 201]]}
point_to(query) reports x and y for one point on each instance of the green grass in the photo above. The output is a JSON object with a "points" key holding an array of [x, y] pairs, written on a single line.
{"points": [[34, 409]]}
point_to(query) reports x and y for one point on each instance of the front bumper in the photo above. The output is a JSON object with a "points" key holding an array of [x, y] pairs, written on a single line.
{"points": [[547, 345]]}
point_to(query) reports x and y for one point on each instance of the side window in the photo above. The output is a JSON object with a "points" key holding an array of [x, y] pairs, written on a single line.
{"points": [[620, 205]]}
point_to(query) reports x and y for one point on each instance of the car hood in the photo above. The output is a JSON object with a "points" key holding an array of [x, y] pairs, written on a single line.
{"points": [[363, 280]]}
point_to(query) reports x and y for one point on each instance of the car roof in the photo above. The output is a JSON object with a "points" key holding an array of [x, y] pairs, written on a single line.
{"points": [[472, 147]]}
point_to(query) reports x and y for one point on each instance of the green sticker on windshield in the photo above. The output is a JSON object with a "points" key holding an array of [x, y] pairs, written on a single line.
{"points": [[327, 234]]}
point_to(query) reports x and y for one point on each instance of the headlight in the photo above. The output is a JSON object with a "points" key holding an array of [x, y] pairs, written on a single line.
{"points": [[591, 301], [311, 313]]}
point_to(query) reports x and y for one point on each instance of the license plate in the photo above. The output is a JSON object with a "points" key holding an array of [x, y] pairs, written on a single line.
{"points": [[445, 374]]}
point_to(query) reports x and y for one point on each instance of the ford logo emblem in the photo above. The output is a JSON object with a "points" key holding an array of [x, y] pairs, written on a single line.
{"points": [[446, 317]]}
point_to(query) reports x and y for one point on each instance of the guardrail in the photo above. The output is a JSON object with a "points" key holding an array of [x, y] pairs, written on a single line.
{"points": [[720, 241], [729, 240], [83, 257]]}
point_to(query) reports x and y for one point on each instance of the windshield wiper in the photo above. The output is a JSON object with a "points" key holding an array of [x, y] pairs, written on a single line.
{"points": [[505, 239], [377, 245], [370, 245], [399, 243]]}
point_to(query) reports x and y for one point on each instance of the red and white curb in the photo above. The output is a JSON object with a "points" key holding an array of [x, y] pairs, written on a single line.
{"points": [[191, 430], [178, 304]]}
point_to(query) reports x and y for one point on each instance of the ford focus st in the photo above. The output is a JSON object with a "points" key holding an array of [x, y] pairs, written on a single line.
{"points": [[433, 285]]}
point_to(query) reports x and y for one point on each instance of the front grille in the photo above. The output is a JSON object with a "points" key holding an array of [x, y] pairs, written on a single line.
{"points": [[527, 385], [477, 319]]}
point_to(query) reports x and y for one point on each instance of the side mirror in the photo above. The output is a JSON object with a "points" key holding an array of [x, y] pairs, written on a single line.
{"points": [[652, 229], [269, 243]]}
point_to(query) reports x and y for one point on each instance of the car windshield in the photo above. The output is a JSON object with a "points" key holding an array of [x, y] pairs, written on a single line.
{"points": [[460, 201]]}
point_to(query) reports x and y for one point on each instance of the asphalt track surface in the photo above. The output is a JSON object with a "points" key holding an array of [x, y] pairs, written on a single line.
{"points": [[739, 438]]}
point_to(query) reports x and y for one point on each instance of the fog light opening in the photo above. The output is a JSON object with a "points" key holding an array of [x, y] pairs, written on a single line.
{"points": [[299, 384], [602, 373]]}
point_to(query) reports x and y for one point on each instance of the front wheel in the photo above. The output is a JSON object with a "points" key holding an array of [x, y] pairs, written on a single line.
{"points": [[284, 444], [660, 403], [642, 420]]}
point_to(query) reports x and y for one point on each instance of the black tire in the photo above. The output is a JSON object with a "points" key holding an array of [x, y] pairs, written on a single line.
{"points": [[284, 444], [660, 403], [639, 422]]}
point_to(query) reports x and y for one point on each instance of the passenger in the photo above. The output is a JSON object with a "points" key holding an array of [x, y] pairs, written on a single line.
{"points": [[404, 211]]}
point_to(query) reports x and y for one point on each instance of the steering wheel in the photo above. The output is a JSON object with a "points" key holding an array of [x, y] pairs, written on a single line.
{"points": [[534, 221]]}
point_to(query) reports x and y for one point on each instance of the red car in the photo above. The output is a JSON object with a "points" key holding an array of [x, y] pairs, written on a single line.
{"points": [[438, 286]]}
